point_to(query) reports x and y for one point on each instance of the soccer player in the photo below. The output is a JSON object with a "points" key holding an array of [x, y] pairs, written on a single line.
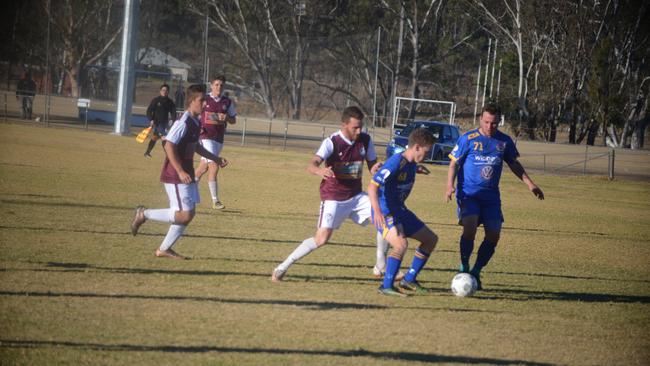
{"points": [[161, 112], [388, 190], [477, 160], [342, 197], [178, 175], [218, 113]]}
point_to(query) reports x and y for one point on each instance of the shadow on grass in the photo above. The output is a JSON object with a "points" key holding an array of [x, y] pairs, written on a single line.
{"points": [[84, 268], [527, 295], [311, 305], [306, 304], [397, 356]]}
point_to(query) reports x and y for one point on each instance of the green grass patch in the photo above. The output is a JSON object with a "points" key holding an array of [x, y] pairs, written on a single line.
{"points": [[569, 284]]}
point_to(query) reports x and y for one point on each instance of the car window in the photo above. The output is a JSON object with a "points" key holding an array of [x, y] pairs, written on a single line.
{"points": [[435, 130], [407, 130], [454, 133], [446, 133]]}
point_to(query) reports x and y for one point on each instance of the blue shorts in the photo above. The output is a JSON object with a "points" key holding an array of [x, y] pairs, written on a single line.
{"points": [[488, 212], [410, 223]]}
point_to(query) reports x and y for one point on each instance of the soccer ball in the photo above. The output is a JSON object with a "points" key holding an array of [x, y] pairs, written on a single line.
{"points": [[463, 284]]}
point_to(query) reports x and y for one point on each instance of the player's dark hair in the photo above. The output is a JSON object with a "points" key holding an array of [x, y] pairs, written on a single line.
{"points": [[492, 109], [422, 137], [164, 86], [220, 77], [194, 91], [351, 112]]}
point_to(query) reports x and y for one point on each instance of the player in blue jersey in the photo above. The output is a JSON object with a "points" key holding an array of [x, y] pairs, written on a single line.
{"points": [[477, 162], [388, 190]]}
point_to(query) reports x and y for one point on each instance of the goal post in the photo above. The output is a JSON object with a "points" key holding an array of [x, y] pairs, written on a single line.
{"points": [[407, 110]]}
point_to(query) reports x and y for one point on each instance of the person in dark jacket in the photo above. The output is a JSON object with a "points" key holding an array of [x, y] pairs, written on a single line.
{"points": [[25, 92], [161, 113]]}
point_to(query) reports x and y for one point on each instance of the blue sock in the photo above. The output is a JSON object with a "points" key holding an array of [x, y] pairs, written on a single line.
{"points": [[485, 252], [392, 266], [466, 248], [419, 260]]}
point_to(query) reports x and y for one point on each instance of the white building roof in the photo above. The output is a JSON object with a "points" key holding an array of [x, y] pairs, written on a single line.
{"points": [[153, 57]]}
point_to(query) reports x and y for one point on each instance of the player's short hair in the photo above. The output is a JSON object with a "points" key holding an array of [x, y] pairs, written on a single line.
{"points": [[194, 91], [422, 137], [351, 112], [219, 77], [492, 109], [164, 86]]}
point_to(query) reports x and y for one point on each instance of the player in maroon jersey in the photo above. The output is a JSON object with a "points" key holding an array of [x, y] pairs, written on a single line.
{"points": [[219, 111], [344, 154], [178, 175]]}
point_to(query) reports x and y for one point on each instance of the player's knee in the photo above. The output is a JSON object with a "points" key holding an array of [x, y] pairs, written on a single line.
{"points": [[184, 217], [492, 237], [398, 248], [469, 233]]}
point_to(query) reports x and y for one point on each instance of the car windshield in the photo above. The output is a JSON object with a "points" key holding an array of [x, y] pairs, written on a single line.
{"points": [[434, 129]]}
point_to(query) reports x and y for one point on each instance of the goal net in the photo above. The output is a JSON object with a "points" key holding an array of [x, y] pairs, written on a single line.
{"points": [[407, 110]]}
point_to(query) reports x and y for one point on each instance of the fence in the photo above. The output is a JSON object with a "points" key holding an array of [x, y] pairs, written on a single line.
{"points": [[292, 135]]}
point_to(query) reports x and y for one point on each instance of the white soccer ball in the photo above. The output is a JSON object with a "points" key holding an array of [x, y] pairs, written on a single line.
{"points": [[463, 284]]}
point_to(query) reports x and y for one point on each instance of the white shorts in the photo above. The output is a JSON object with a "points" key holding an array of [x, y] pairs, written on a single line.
{"points": [[182, 197], [212, 146], [333, 213]]}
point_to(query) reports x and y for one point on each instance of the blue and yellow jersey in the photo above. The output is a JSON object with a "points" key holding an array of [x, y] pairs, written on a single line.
{"points": [[480, 160], [395, 180]]}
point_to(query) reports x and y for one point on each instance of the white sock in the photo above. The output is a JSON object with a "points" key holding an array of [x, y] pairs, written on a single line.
{"points": [[161, 214], [382, 249], [306, 247], [175, 232], [213, 190]]}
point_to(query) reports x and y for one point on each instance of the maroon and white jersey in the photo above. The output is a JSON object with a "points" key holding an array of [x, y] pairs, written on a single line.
{"points": [[346, 158], [215, 105], [184, 134]]}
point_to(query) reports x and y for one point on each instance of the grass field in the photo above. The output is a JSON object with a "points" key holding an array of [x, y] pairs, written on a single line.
{"points": [[569, 284]]}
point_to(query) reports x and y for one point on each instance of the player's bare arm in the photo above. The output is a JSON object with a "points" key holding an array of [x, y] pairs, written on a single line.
{"points": [[451, 177], [315, 168], [378, 218], [208, 155], [170, 150], [520, 172], [231, 120], [373, 166]]}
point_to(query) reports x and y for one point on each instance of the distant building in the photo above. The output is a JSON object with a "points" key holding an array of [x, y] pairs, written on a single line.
{"points": [[155, 57]]}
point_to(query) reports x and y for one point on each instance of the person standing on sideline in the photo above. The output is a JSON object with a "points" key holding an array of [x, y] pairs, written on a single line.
{"points": [[25, 92], [477, 161], [342, 197], [178, 175], [388, 190], [161, 112], [219, 112]]}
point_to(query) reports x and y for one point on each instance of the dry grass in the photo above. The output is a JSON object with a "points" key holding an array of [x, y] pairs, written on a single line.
{"points": [[568, 285]]}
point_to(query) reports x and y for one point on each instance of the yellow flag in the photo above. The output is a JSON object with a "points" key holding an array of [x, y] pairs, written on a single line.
{"points": [[143, 135]]}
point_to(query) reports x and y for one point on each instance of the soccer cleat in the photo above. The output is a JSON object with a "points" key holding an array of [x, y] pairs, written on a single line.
{"points": [[138, 220], [217, 205], [412, 286], [477, 276], [147, 154], [391, 291], [278, 275], [169, 253]]}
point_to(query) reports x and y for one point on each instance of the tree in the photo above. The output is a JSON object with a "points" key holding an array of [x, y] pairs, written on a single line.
{"points": [[86, 30]]}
